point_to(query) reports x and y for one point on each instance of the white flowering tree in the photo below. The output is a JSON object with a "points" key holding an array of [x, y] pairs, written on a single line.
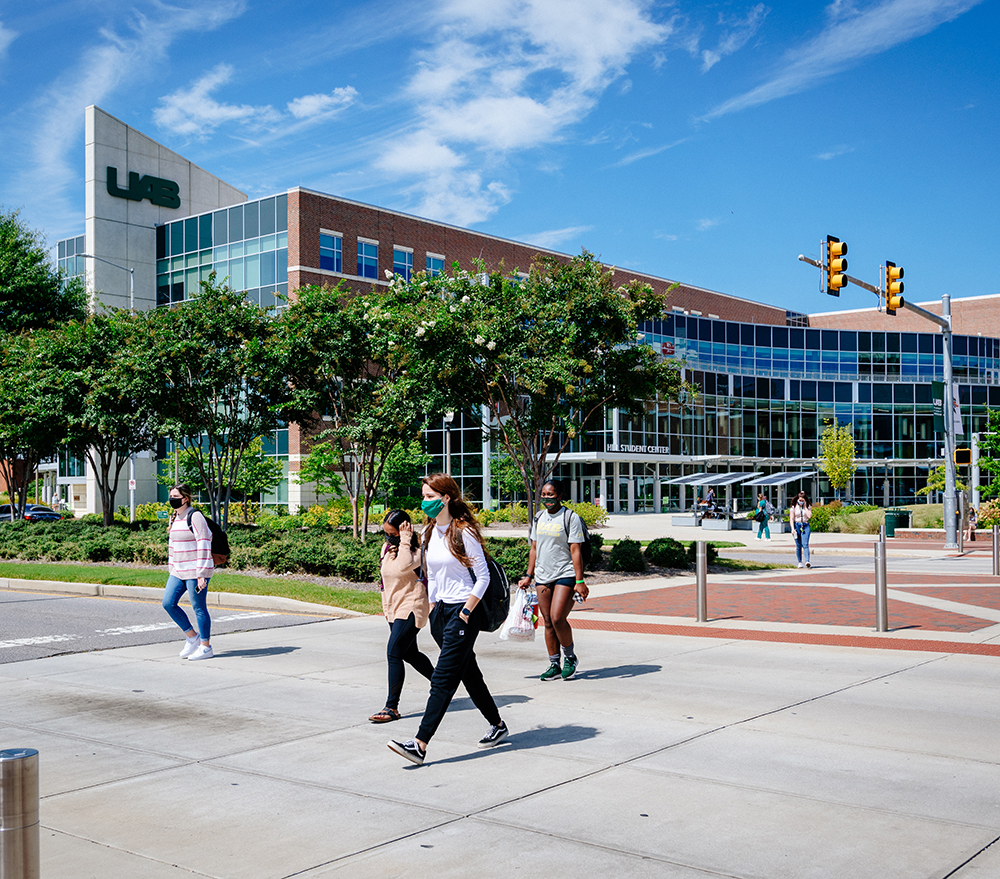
{"points": [[341, 351], [548, 354]]}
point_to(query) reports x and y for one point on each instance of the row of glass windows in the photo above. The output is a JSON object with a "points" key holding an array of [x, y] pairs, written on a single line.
{"points": [[331, 258], [254, 219], [68, 259]]}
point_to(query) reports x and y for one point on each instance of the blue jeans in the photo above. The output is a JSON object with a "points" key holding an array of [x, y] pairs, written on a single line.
{"points": [[176, 587], [802, 543]]}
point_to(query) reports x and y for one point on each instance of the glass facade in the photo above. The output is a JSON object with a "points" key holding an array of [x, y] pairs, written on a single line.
{"points": [[246, 244], [68, 260]]}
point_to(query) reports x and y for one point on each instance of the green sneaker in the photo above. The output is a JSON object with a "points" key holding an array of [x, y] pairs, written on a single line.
{"points": [[552, 673], [569, 668]]}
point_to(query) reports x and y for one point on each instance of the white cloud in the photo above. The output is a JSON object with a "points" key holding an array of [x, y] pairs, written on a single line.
{"points": [[193, 112], [645, 154], [507, 76], [552, 238], [851, 36], [841, 150], [7, 36], [706, 224], [312, 106], [53, 125], [739, 32], [665, 236]]}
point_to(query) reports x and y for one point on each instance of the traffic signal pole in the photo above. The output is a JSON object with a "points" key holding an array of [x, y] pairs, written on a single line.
{"points": [[943, 320]]}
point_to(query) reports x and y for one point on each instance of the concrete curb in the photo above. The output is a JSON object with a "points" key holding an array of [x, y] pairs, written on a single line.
{"points": [[151, 593]]}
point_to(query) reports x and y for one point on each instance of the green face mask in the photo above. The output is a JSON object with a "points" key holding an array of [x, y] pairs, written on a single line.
{"points": [[551, 503], [432, 508]]}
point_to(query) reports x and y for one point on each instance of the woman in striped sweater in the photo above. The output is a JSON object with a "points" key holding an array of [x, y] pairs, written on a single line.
{"points": [[190, 564]]}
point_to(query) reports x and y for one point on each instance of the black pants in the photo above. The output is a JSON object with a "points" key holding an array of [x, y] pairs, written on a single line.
{"points": [[402, 647], [456, 664]]}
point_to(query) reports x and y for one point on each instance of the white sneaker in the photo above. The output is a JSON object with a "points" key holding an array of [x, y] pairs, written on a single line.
{"points": [[799, 565], [203, 652], [190, 645]]}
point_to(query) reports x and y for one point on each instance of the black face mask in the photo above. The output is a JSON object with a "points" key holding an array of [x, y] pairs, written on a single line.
{"points": [[392, 540], [176, 502]]}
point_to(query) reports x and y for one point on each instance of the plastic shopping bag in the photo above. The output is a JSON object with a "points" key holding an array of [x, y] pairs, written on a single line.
{"points": [[520, 622]]}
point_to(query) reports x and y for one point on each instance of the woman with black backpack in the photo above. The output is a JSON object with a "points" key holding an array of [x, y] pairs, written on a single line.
{"points": [[454, 564], [556, 564]]}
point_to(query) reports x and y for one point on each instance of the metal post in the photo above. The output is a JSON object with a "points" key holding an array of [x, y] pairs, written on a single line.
{"points": [[976, 497], [701, 574], [19, 814], [996, 550], [950, 501], [961, 521], [881, 599]]}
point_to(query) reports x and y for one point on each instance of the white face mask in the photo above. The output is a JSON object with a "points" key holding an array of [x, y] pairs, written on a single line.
{"points": [[802, 503]]}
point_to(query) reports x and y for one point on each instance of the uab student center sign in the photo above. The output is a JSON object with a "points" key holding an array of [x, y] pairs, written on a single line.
{"points": [[162, 193]]}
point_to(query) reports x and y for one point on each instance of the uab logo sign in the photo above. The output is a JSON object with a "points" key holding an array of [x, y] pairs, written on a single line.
{"points": [[163, 193]]}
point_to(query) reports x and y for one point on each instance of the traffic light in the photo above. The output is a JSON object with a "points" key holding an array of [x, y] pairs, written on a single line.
{"points": [[836, 265], [963, 457], [893, 287]]}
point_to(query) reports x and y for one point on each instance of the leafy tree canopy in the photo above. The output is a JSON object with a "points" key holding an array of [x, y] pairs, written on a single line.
{"points": [[32, 295], [836, 450]]}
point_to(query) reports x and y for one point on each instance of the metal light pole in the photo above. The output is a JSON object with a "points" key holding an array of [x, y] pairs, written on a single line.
{"points": [[131, 306]]}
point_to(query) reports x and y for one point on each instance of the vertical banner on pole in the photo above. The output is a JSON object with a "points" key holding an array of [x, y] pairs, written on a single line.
{"points": [[937, 398], [956, 410]]}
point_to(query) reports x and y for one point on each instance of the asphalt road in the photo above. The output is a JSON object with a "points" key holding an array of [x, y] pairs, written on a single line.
{"points": [[34, 625]]}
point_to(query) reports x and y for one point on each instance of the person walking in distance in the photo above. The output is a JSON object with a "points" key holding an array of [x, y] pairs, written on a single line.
{"points": [[762, 516], [555, 561], [799, 516], [190, 565], [457, 578], [404, 603]]}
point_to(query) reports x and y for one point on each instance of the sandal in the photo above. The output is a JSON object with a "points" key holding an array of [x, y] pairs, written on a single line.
{"points": [[385, 716]]}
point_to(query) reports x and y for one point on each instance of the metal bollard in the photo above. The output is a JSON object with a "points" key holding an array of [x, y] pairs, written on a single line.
{"points": [[881, 598], [996, 550], [19, 814], [701, 574]]}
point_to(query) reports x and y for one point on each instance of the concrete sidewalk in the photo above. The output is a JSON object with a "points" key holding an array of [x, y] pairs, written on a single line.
{"points": [[666, 757]]}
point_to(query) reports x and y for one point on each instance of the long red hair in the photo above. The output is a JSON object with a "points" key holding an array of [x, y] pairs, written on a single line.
{"points": [[462, 517]]}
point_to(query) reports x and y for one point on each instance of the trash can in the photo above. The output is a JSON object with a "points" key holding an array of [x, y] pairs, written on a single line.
{"points": [[19, 813], [896, 519]]}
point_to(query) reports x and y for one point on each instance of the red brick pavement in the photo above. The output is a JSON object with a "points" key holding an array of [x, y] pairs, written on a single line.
{"points": [[785, 602]]}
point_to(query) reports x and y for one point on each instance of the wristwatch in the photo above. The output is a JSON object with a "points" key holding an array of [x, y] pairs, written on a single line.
{"points": [[466, 612]]}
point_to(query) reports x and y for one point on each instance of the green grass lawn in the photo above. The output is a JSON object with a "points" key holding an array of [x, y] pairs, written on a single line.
{"points": [[300, 590]]}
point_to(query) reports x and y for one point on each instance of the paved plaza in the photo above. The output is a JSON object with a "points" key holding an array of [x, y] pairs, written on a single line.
{"points": [[783, 738]]}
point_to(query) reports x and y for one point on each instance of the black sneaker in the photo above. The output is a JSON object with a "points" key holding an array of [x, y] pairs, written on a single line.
{"points": [[409, 749], [497, 734]]}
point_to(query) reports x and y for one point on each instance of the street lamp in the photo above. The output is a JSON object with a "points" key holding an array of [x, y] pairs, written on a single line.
{"points": [[131, 305]]}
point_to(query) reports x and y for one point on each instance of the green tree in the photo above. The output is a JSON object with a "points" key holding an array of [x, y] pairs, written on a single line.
{"points": [[936, 482], [111, 415], [404, 466], [34, 396], [220, 382], [989, 454], [343, 354], [32, 295], [505, 474], [836, 454], [321, 467], [548, 354]]}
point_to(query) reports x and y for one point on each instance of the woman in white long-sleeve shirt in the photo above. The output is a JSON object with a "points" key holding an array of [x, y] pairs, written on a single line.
{"points": [[189, 553], [452, 544]]}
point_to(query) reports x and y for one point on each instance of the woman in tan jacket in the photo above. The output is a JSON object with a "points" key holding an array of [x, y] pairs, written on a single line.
{"points": [[404, 603]]}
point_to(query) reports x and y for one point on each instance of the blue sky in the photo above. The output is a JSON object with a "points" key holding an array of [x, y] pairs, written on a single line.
{"points": [[710, 143]]}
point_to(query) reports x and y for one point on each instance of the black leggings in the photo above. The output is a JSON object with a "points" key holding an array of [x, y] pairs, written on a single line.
{"points": [[402, 647], [456, 664]]}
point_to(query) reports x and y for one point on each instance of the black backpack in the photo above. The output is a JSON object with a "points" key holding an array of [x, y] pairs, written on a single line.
{"points": [[586, 549], [220, 541], [496, 601]]}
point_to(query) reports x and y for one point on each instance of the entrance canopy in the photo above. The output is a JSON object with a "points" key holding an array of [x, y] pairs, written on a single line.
{"points": [[713, 479], [783, 478]]}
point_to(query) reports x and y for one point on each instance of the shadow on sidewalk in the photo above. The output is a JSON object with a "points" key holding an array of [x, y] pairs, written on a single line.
{"points": [[617, 671], [259, 651], [540, 737]]}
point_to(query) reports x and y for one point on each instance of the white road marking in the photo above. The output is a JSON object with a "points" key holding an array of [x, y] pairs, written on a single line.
{"points": [[41, 639]]}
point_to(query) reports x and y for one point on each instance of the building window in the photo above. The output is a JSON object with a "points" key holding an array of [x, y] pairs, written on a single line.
{"points": [[367, 259], [402, 262], [331, 253], [435, 264]]}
